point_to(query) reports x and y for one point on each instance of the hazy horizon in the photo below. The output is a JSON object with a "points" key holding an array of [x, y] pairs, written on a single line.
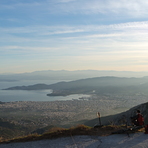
{"points": [[47, 70], [68, 75]]}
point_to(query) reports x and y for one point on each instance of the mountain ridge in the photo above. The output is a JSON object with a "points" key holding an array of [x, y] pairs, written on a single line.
{"points": [[69, 75], [107, 84]]}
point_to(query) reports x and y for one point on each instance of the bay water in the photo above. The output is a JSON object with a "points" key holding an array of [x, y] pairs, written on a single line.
{"points": [[33, 95]]}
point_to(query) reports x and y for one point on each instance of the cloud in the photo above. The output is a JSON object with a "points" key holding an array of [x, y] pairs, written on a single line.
{"points": [[133, 8], [65, 29], [26, 49], [76, 39], [64, 1], [93, 32]]}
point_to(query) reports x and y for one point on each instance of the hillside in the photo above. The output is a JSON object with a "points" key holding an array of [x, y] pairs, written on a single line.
{"points": [[80, 136], [122, 118]]}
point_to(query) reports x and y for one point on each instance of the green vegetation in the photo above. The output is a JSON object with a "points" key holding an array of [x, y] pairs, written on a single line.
{"points": [[10, 130]]}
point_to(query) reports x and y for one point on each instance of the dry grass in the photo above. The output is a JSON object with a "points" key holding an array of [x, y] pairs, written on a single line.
{"points": [[63, 132]]}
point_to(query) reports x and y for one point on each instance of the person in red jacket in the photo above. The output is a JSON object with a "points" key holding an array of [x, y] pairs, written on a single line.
{"points": [[138, 120]]}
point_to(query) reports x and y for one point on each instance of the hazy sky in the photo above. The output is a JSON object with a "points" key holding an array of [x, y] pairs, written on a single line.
{"points": [[73, 35]]}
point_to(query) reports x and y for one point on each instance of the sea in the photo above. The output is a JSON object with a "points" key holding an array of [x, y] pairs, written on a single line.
{"points": [[31, 95]]}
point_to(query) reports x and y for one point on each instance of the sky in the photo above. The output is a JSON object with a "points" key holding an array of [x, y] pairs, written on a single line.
{"points": [[73, 35]]}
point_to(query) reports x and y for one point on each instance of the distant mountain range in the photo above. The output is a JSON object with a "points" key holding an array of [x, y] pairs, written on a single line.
{"points": [[68, 75], [97, 85]]}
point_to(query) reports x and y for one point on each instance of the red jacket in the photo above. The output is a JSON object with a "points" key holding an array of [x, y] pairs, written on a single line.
{"points": [[140, 119]]}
